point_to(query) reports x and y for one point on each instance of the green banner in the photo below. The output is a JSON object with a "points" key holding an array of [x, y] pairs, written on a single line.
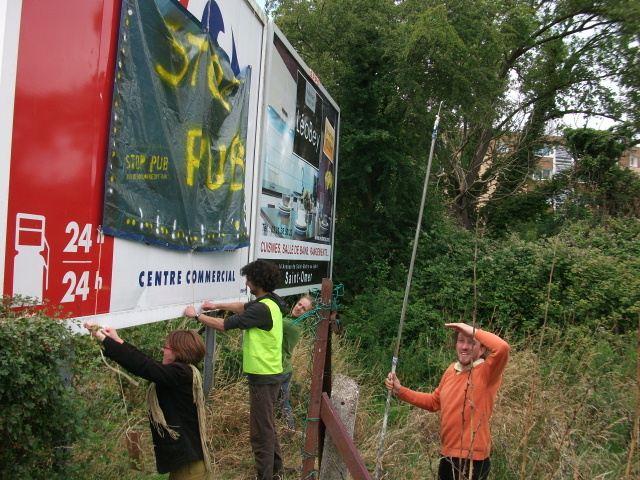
{"points": [[176, 171]]}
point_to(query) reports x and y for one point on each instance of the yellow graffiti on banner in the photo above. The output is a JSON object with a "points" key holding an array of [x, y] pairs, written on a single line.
{"points": [[219, 176], [237, 160], [203, 46], [194, 157], [215, 72], [215, 75], [235, 154], [171, 78]]}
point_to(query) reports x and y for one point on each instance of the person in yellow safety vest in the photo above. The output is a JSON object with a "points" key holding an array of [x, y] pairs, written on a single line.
{"points": [[261, 319]]}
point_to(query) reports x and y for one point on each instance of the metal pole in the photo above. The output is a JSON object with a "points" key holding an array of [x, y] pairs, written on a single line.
{"points": [[209, 358], [394, 362]]}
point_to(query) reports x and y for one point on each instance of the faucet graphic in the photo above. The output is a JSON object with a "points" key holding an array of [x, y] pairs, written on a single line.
{"points": [[30, 268]]}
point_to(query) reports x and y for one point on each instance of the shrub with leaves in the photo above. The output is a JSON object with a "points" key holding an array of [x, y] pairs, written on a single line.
{"points": [[41, 415]]}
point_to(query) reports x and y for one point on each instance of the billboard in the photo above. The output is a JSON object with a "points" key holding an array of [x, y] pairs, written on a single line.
{"points": [[299, 164], [184, 211]]}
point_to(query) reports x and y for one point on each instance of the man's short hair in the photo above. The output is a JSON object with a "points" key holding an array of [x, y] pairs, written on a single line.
{"points": [[262, 274]]}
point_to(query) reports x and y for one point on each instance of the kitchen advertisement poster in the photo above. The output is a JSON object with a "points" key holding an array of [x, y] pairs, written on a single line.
{"points": [[297, 205]]}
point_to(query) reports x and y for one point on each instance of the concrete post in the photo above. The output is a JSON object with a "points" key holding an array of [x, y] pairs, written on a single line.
{"points": [[344, 397]]}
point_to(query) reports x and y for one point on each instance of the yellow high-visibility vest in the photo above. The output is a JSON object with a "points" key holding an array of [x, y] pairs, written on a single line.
{"points": [[262, 351]]}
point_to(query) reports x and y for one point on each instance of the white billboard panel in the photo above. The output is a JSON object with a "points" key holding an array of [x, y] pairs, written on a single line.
{"points": [[295, 225], [55, 252], [57, 147]]}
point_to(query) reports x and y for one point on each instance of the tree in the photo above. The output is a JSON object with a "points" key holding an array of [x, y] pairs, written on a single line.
{"points": [[512, 67], [504, 70], [352, 46], [597, 181]]}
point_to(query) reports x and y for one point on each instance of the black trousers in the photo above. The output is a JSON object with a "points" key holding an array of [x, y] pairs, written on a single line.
{"points": [[452, 468], [262, 431]]}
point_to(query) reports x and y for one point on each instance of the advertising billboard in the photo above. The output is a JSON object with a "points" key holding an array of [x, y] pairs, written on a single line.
{"points": [[299, 165], [153, 151], [56, 247]]}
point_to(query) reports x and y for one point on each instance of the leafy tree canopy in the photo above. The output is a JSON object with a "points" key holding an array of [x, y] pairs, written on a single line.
{"points": [[500, 68], [504, 71]]}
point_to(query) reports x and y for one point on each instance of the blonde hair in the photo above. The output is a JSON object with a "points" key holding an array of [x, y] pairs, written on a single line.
{"points": [[304, 296]]}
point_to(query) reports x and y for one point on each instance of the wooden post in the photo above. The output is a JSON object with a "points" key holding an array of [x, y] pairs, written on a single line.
{"points": [[135, 450], [311, 444], [321, 413], [209, 360]]}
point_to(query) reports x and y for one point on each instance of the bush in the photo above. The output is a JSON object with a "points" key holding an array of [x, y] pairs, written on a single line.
{"points": [[41, 414]]}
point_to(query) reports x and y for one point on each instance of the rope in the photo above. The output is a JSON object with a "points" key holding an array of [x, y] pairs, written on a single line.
{"points": [[118, 371]]}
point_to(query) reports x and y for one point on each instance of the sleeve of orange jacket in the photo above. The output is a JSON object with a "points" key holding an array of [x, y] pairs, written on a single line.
{"points": [[428, 401], [497, 360]]}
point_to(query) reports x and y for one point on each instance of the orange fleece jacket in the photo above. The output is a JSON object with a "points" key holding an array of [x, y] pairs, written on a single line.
{"points": [[466, 397]]}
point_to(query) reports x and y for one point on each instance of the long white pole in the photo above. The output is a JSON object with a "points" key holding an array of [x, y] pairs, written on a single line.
{"points": [[406, 293]]}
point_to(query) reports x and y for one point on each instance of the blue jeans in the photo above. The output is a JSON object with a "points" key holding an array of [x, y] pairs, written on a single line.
{"points": [[283, 400]]}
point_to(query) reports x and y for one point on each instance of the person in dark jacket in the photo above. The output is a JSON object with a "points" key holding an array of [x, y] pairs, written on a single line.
{"points": [[175, 399]]}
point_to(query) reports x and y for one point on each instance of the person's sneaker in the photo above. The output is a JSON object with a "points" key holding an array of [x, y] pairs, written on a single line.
{"points": [[281, 475]]}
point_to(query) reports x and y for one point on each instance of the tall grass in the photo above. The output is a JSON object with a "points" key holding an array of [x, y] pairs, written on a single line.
{"points": [[578, 422]]}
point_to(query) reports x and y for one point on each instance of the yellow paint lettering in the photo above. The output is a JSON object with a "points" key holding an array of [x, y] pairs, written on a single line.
{"points": [[226, 90], [203, 46], [197, 150], [215, 76], [169, 76], [214, 184], [135, 162], [158, 163], [237, 152]]}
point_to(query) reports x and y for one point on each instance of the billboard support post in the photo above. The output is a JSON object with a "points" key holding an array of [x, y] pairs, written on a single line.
{"points": [[209, 360]]}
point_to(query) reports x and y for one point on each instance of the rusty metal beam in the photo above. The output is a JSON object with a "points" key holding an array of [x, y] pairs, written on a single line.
{"points": [[321, 414], [343, 441]]}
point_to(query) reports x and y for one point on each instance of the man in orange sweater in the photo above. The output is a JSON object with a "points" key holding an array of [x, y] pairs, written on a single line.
{"points": [[465, 398]]}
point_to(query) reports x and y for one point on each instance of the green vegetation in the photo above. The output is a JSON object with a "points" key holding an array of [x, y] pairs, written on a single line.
{"points": [[565, 410], [503, 70], [554, 266], [596, 283], [41, 416]]}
